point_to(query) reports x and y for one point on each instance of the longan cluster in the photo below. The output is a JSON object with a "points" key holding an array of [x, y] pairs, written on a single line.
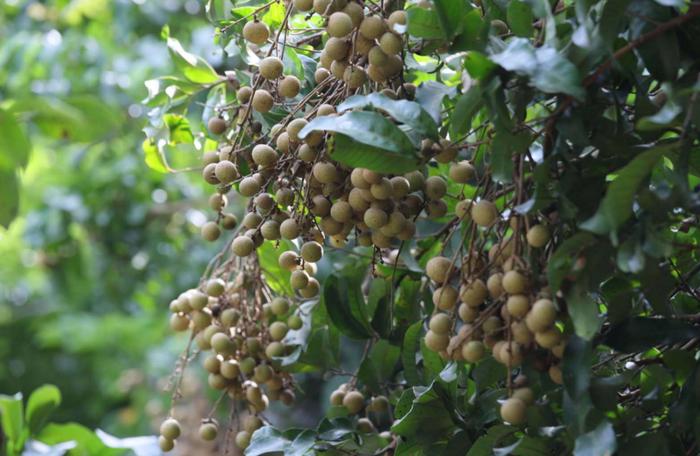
{"points": [[241, 334], [374, 409], [492, 302]]}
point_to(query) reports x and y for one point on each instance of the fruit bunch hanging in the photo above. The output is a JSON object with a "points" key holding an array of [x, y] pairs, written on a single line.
{"points": [[333, 133]]}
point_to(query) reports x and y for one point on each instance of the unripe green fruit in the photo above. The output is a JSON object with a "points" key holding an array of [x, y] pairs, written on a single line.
{"points": [[462, 172], [289, 86], [376, 73], [354, 76], [229, 221], [208, 431], [198, 300], [215, 287], [514, 282], [270, 230], [375, 218], [439, 269], [230, 369], [398, 17], [242, 440], [436, 342], [390, 43], [274, 349], [382, 190], [377, 57], [248, 186], [299, 280], [336, 48], [252, 343], [209, 175], [311, 251], [295, 127], [325, 172], [440, 323], [212, 364], [466, 313], [280, 306], [416, 179], [513, 411], [304, 5], [538, 236], [356, 13], [323, 7], [445, 298], [165, 444], [216, 125], [484, 213], [284, 196], [244, 94], [473, 351], [339, 25], [246, 365], [295, 322], [365, 426], [311, 289], [288, 260], [372, 27], [264, 155], [435, 187], [211, 231], [252, 423], [222, 344], [518, 305], [210, 157], [256, 32], [492, 325], [242, 246], [252, 220], [338, 68], [170, 429], [341, 211], [217, 201], [495, 285], [277, 330], [262, 101], [262, 373], [354, 402]]}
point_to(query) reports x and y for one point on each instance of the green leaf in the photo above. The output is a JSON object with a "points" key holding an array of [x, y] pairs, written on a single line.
{"points": [[468, 104], [41, 403], [504, 147], [9, 196], [564, 258], [576, 367], [154, 158], [485, 444], [411, 343], [379, 365], [429, 418], [424, 23], [12, 420], [407, 112], [430, 95], [346, 306], [600, 441], [474, 34], [14, 143], [87, 443], [520, 18], [478, 65], [547, 69], [487, 373], [616, 206], [433, 364], [449, 13], [192, 67], [639, 334], [275, 275], [583, 310], [293, 442]]}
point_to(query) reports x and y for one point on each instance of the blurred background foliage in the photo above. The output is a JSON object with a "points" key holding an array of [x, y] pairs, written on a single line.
{"points": [[100, 243]]}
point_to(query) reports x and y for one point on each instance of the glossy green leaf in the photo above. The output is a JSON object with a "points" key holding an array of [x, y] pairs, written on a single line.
{"points": [[9, 196], [14, 143], [641, 333], [379, 365], [583, 310], [411, 343], [87, 443], [478, 65], [424, 23], [42, 402], [275, 275], [520, 18], [467, 106], [599, 442], [192, 67], [428, 417], [12, 420], [449, 13], [346, 307]]}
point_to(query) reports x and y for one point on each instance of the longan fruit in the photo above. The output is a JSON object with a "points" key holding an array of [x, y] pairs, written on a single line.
{"points": [[295, 322], [398, 17], [211, 231], [256, 32], [375, 218], [377, 57], [366, 426], [436, 342], [208, 431], [282, 142], [242, 246], [225, 171], [170, 429], [216, 125], [325, 172], [208, 173], [541, 316], [252, 220], [325, 110], [525, 394], [376, 74], [484, 213], [537, 236], [288, 260], [474, 293], [311, 251], [354, 402], [248, 186], [336, 48], [558, 350], [555, 374], [242, 439], [289, 87], [278, 330], [244, 94], [355, 12], [294, 127], [513, 411], [165, 444], [215, 287], [264, 155], [416, 179], [466, 313], [304, 5], [549, 338], [289, 229], [270, 230], [338, 68], [274, 349], [495, 285], [400, 186], [390, 43], [438, 269], [514, 282], [337, 397], [321, 75], [492, 325], [229, 221], [440, 323], [222, 344], [198, 300], [341, 211], [299, 279], [262, 101], [339, 25], [354, 76], [518, 305], [435, 187], [462, 172], [372, 27], [473, 351], [230, 369], [511, 354], [445, 298]]}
